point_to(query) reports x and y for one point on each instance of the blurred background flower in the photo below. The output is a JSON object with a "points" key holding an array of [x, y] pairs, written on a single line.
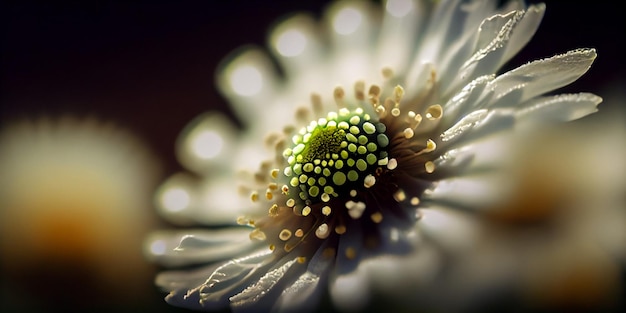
{"points": [[148, 66], [74, 203]]}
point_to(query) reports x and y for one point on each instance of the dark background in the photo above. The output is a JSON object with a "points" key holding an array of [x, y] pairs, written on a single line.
{"points": [[149, 65]]}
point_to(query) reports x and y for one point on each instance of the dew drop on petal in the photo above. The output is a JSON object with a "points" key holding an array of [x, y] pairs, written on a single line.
{"points": [[246, 80], [291, 43], [347, 21]]}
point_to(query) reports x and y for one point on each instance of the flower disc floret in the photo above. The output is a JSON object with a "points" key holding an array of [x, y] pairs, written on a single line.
{"points": [[334, 152]]}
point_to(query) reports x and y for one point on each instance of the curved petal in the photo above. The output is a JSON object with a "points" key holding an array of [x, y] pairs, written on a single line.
{"points": [[178, 282], [541, 76], [174, 248], [524, 31], [261, 295], [477, 124], [494, 34], [231, 278], [561, 108]]}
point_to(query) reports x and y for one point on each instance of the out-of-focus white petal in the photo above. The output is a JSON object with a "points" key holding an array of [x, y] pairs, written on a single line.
{"points": [[247, 79], [351, 29], [295, 44], [206, 143], [454, 230], [174, 248], [350, 291], [183, 199], [400, 26], [490, 152], [474, 191]]}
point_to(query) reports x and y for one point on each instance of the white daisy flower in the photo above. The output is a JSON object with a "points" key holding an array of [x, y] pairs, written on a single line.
{"points": [[370, 165]]}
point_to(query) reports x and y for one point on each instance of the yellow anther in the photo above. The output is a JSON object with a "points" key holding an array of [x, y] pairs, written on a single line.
{"points": [[434, 112], [257, 234], [377, 217], [254, 196], [284, 235], [399, 195], [273, 211], [350, 253], [274, 173], [429, 166]]}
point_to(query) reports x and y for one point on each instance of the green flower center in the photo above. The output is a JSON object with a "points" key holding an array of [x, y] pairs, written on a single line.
{"points": [[334, 154]]}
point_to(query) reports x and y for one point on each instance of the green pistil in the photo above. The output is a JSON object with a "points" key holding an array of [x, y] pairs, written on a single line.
{"points": [[334, 154]]}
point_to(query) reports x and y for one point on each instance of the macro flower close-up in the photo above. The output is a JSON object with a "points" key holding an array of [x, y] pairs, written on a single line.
{"points": [[387, 156]]}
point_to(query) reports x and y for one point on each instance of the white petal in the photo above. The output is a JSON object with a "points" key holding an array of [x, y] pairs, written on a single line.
{"points": [[183, 199], [179, 281], [493, 37], [488, 153], [542, 76], [524, 31], [474, 191], [351, 32], [247, 78], [174, 248], [206, 143], [479, 123], [268, 287], [564, 107], [350, 291], [399, 27], [454, 230], [295, 44], [449, 25], [305, 292], [175, 196], [221, 203], [466, 100], [233, 277], [301, 296]]}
